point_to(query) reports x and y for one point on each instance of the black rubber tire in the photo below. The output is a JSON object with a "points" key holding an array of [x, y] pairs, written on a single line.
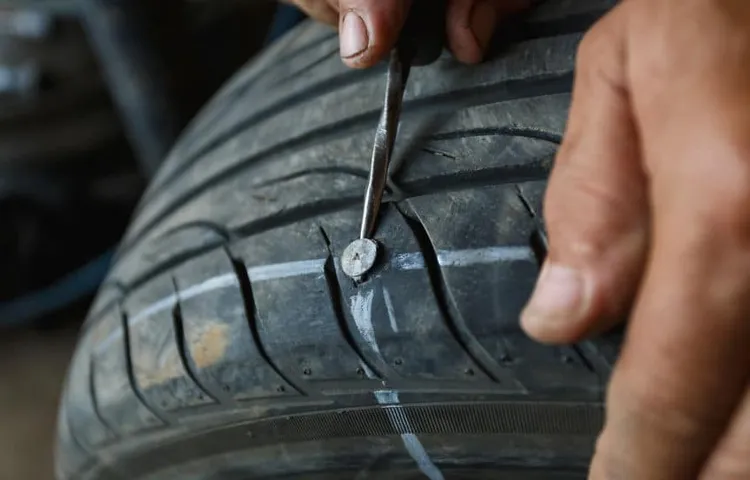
{"points": [[227, 343]]}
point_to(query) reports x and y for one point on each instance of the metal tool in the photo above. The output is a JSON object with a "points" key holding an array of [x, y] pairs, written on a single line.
{"points": [[385, 138], [421, 43]]}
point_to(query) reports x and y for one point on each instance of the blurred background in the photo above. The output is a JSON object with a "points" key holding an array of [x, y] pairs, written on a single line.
{"points": [[93, 93]]}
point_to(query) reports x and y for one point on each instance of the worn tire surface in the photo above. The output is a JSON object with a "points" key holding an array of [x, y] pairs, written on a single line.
{"points": [[228, 344]]}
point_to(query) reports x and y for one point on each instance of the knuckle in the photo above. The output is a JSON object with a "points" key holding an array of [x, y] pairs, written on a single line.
{"points": [[601, 52], [596, 47], [589, 50]]}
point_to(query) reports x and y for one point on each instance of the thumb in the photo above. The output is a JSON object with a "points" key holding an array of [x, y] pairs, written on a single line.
{"points": [[596, 206], [369, 29]]}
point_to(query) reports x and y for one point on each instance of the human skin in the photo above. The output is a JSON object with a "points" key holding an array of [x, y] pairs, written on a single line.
{"points": [[369, 28], [648, 214]]}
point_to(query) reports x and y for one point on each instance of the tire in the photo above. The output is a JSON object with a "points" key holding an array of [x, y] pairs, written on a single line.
{"points": [[228, 344]]}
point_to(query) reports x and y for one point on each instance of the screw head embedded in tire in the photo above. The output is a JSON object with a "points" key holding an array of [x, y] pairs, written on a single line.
{"points": [[359, 258]]}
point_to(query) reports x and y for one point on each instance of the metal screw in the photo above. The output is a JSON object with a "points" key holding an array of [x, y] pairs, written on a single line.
{"points": [[359, 258]]}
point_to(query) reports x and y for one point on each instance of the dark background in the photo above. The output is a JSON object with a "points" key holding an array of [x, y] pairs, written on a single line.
{"points": [[72, 168]]}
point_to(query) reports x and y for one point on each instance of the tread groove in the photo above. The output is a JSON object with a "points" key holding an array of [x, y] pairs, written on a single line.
{"points": [[584, 359], [251, 313], [504, 91], [262, 115], [293, 215], [599, 364], [318, 89], [174, 262], [77, 441], [337, 302], [509, 131], [529, 31], [185, 357], [212, 226], [95, 400], [162, 417], [439, 153], [525, 202], [355, 172], [539, 241], [429, 186], [308, 67], [485, 177], [440, 289]]}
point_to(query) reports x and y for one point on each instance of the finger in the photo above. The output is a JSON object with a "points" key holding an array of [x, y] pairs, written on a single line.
{"points": [[596, 206], [470, 25], [369, 29], [319, 10], [685, 364], [685, 361], [731, 460]]}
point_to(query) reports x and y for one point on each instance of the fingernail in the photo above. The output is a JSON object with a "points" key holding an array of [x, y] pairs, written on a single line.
{"points": [[354, 38], [483, 23], [559, 299]]}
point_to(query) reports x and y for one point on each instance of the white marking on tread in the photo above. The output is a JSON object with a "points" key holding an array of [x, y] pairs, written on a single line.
{"points": [[408, 261], [387, 397], [168, 303], [465, 258], [411, 442], [215, 283], [368, 372], [390, 310], [402, 261], [285, 270], [360, 305]]}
